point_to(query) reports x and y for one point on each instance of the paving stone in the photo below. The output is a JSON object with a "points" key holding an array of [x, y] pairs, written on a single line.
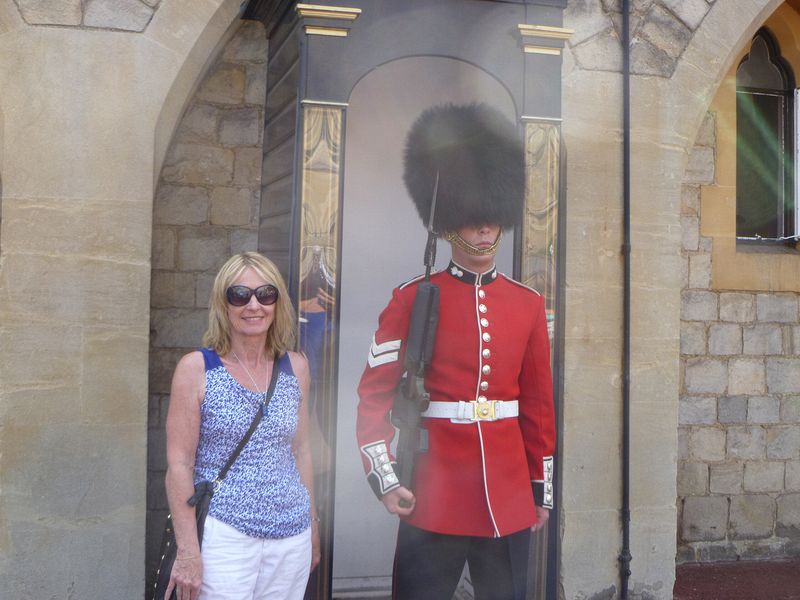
{"points": [[763, 476], [700, 168], [691, 12], [128, 15], [700, 271], [781, 308], [232, 206], [726, 478], [706, 376], [724, 339], [736, 307], [697, 411], [788, 522], [707, 444], [180, 205], [704, 518], [732, 409], [783, 375], [693, 338], [699, 306], [690, 233], [763, 339], [790, 409], [752, 516], [793, 475], [746, 376], [783, 442], [763, 409], [692, 479], [749, 443]]}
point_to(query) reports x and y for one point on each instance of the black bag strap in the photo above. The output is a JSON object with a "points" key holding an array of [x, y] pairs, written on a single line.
{"points": [[256, 420]]}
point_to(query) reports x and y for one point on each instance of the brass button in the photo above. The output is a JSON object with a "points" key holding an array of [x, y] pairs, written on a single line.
{"points": [[483, 411], [481, 294], [482, 308], [484, 386], [486, 337], [486, 353], [484, 322], [486, 369]]}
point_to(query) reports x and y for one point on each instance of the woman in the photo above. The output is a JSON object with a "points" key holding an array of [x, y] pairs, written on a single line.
{"points": [[261, 538]]}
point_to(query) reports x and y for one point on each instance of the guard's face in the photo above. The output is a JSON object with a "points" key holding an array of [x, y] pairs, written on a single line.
{"points": [[480, 236]]}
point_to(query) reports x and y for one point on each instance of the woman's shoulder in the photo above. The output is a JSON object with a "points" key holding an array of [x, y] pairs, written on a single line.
{"points": [[299, 363]]}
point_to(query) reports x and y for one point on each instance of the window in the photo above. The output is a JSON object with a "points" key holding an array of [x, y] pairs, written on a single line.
{"points": [[765, 159]]}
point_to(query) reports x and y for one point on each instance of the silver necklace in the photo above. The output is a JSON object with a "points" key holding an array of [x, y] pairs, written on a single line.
{"points": [[255, 385]]}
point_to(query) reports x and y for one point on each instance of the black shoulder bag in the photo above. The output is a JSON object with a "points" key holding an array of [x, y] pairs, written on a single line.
{"points": [[203, 490]]}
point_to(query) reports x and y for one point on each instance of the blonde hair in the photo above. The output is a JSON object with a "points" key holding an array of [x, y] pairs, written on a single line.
{"points": [[281, 334]]}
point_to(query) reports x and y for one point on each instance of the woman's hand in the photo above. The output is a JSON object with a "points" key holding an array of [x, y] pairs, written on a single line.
{"points": [[186, 577], [315, 552]]}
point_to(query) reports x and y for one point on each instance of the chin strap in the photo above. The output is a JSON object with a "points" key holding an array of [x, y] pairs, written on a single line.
{"points": [[457, 240]]}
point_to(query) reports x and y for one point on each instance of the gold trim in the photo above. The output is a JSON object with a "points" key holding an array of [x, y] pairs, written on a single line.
{"points": [[328, 12], [329, 31], [531, 118], [550, 51], [545, 31], [309, 102]]}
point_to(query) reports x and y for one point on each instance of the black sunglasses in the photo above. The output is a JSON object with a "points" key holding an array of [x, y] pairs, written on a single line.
{"points": [[239, 295]]}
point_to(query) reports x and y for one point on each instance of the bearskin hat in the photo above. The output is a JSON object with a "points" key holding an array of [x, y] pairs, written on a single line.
{"points": [[478, 156]]}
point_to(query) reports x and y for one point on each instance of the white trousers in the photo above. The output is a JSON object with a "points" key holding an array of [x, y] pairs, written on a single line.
{"points": [[239, 567]]}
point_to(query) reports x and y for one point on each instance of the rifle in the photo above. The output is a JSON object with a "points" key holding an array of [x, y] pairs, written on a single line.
{"points": [[412, 399]]}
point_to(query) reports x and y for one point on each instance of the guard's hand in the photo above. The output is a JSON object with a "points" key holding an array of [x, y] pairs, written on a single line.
{"points": [[391, 500], [542, 514]]}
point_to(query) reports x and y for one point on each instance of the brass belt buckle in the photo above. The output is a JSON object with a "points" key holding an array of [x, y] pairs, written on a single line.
{"points": [[483, 411]]}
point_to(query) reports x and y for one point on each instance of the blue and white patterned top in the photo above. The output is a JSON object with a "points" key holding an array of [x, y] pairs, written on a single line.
{"points": [[262, 496]]}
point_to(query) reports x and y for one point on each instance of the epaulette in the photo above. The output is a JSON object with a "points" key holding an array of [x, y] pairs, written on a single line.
{"points": [[522, 285]]}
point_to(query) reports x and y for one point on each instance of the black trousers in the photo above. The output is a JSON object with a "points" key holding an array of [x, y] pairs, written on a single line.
{"points": [[428, 566]]}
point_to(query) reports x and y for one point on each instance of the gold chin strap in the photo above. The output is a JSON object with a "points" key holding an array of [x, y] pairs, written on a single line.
{"points": [[457, 240]]}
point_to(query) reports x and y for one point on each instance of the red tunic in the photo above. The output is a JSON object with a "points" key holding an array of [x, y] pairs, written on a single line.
{"points": [[475, 479]]}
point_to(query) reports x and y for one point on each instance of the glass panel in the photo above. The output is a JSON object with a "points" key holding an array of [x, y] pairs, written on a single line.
{"points": [[319, 201], [538, 270]]}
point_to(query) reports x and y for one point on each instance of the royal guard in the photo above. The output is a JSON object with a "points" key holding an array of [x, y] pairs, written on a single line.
{"points": [[482, 474]]}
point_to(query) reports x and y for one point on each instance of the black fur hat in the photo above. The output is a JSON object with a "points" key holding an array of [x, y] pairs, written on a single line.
{"points": [[478, 155]]}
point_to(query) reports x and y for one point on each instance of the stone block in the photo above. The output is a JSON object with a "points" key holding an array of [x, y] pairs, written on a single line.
{"points": [[732, 409], [706, 444], [724, 339], [763, 338], [752, 517], [203, 287], [42, 12], [601, 53], [726, 478], [790, 409], [783, 375], [780, 308], [706, 244], [690, 233], [162, 365], [156, 492], [783, 442], [692, 479], [763, 476], [690, 200], [128, 15], [664, 31], [112, 361], [746, 376], [792, 481], [746, 443], [587, 18], [697, 411], [241, 127], [788, 521], [256, 84], [705, 518], [249, 43], [736, 307], [683, 443], [649, 59], [200, 124], [202, 250], [172, 290], [700, 271], [693, 338], [225, 84], [177, 328], [717, 552], [763, 409], [690, 12], [180, 205], [700, 168], [707, 134], [706, 376], [164, 248], [795, 349], [247, 166], [232, 206], [193, 164], [699, 306], [244, 240]]}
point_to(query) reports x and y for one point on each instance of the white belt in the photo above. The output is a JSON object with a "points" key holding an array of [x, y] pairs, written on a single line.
{"points": [[469, 412]]}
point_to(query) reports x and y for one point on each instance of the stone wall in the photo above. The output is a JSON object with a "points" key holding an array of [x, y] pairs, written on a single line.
{"points": [[124, 15], [206, 208], [739, 410]]}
